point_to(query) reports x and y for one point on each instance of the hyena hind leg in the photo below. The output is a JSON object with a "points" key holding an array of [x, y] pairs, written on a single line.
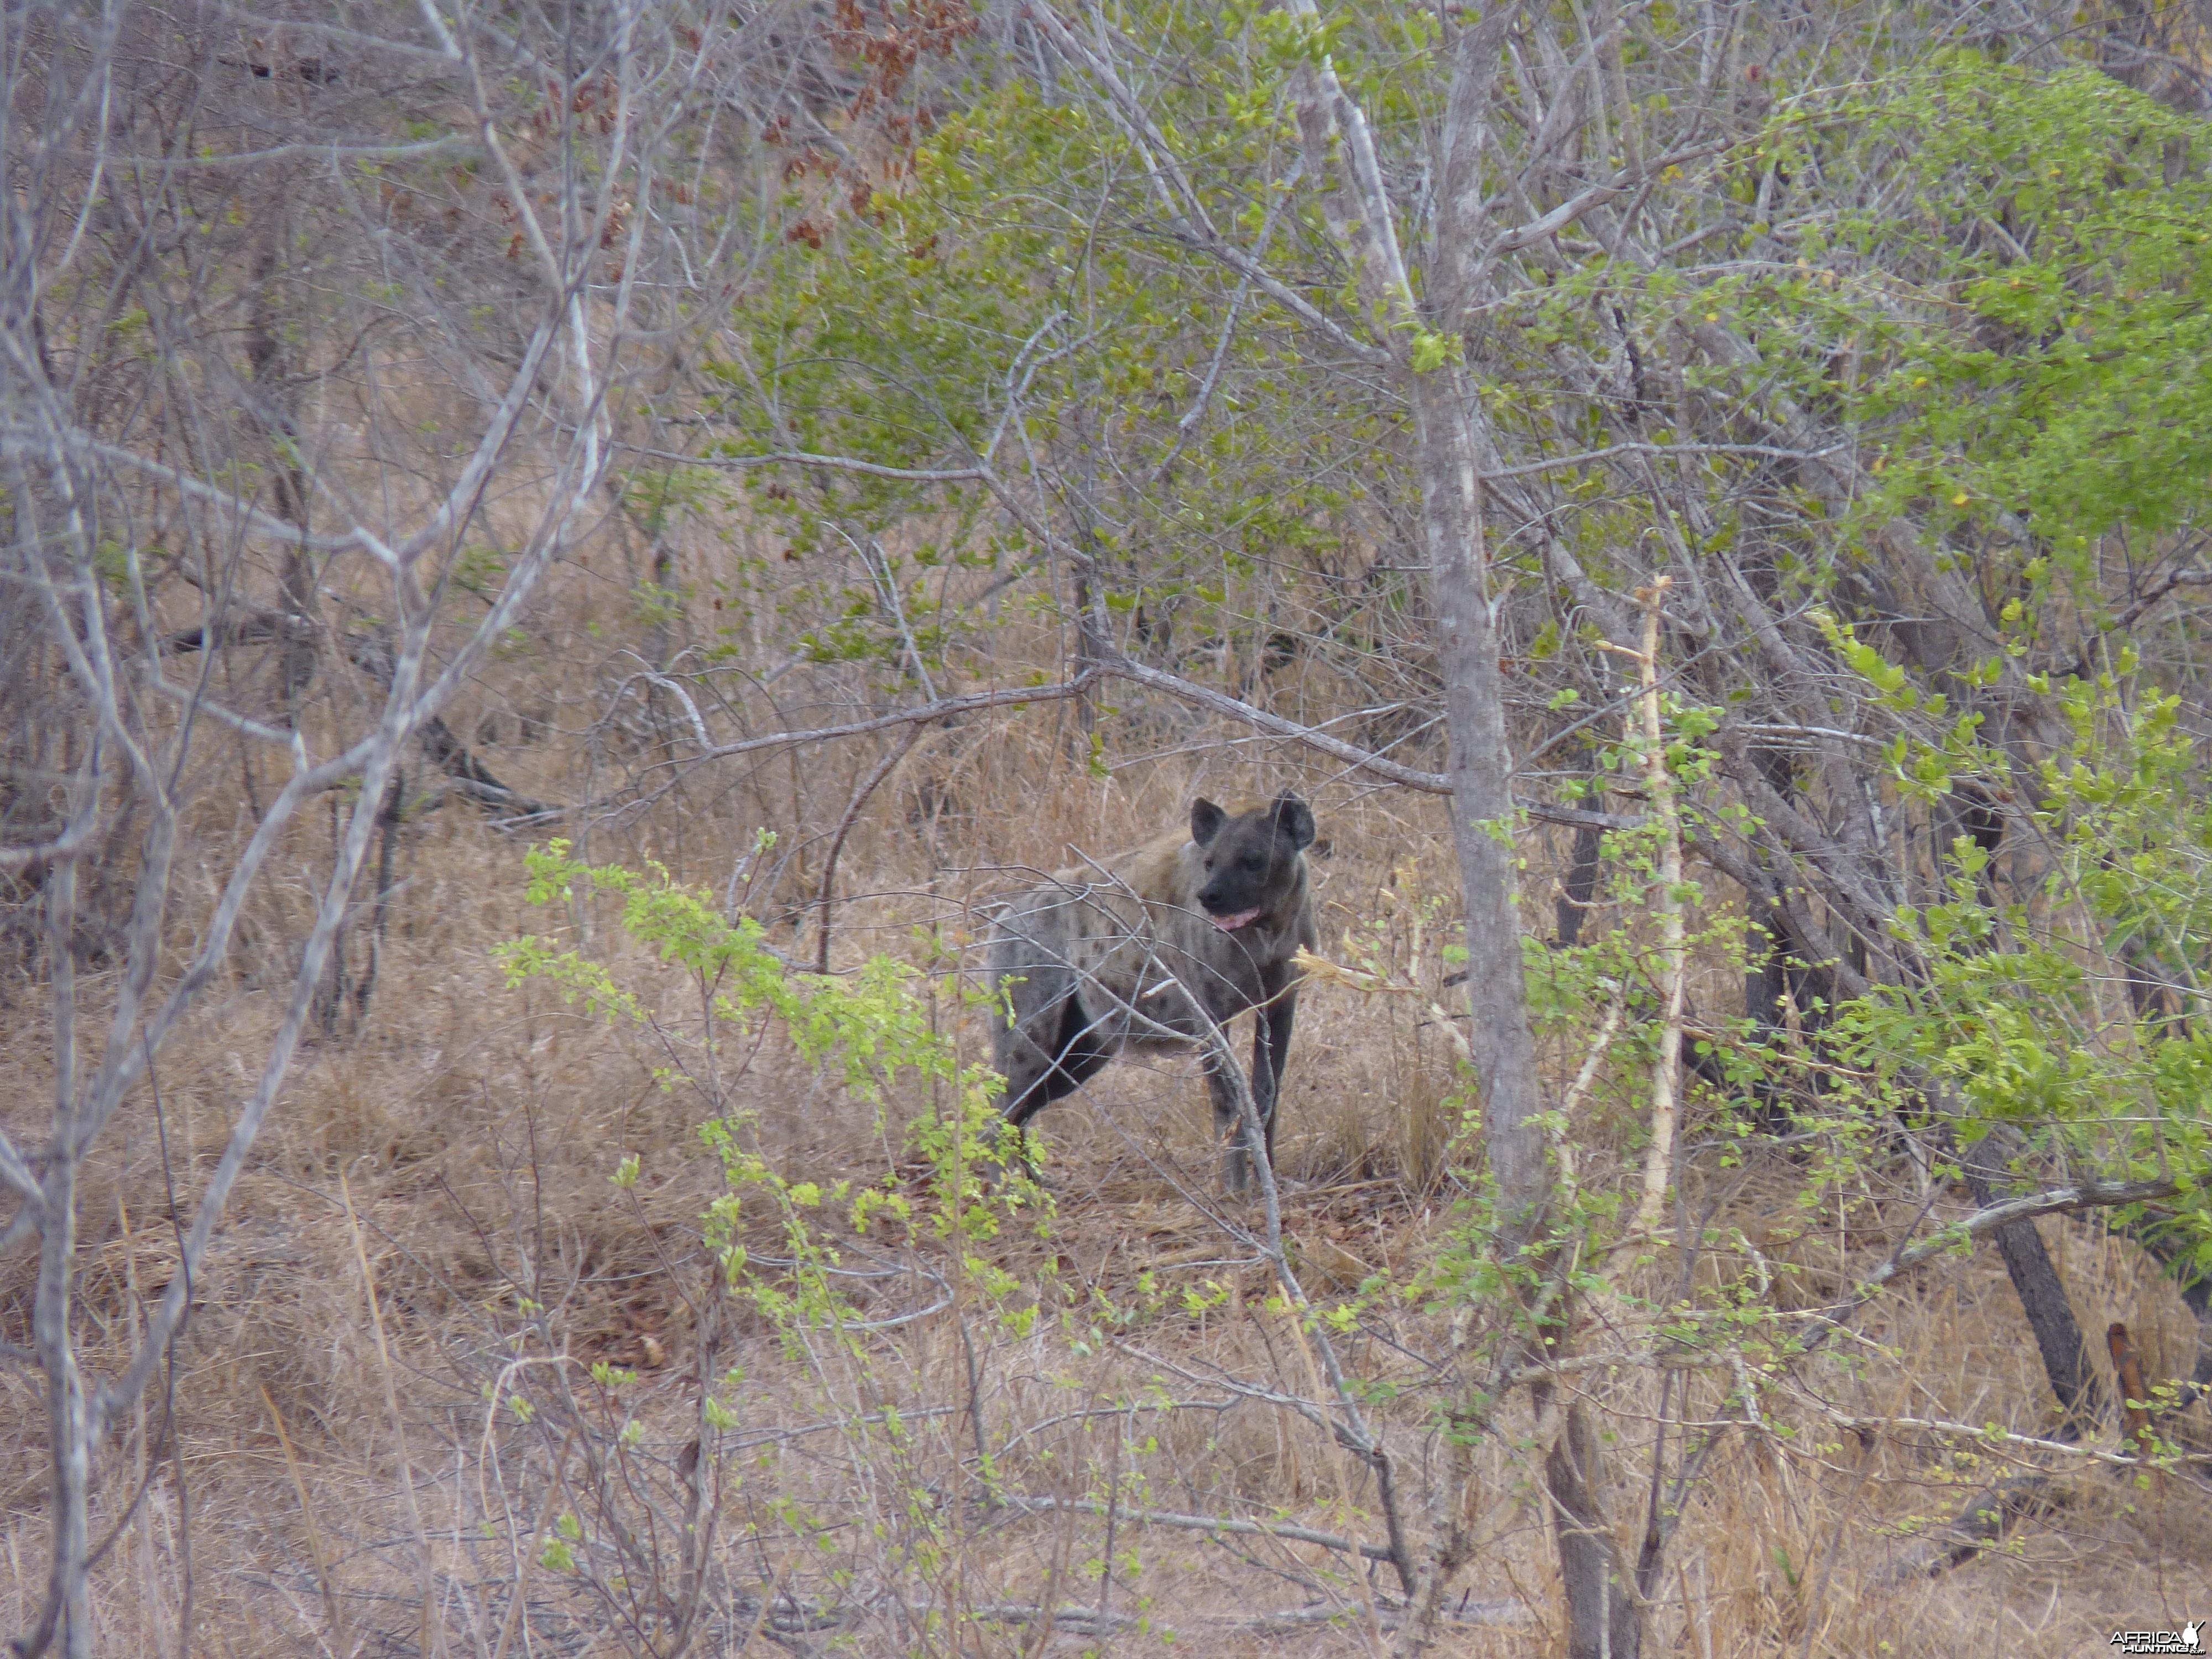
{"points": [[1050, 1049]]}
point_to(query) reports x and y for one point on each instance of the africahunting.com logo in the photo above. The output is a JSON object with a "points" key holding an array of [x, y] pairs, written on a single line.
{"points": [[2189, 1638]]}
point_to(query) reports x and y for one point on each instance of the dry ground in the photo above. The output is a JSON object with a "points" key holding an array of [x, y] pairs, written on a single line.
{"points": [[452, 1151]]}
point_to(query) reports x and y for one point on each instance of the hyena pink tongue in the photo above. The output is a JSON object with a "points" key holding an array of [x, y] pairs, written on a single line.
{"points": [[1230, 924]]}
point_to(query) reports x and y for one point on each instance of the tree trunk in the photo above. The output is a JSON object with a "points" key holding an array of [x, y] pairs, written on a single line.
{"points": [[1602, 1617], [1423, 340], [2042, 1293], [1579, 890], [1603, 1621], [1481, 771]]}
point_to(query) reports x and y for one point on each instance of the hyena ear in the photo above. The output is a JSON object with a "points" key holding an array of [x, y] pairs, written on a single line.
{"points": [[1294, 818], [1206, 820]]}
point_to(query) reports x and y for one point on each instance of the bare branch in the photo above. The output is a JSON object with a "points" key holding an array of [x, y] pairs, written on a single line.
{"points": [[1284, 1530]]}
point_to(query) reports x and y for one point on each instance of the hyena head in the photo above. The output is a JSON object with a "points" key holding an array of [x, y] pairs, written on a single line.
{"points": [[1251, 860]]}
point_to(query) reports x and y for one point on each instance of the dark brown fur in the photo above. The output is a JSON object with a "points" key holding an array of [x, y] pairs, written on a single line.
{"points": [[1128, 954]]}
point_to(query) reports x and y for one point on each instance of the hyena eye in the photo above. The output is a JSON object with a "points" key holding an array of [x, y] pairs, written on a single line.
{"points": [[1251, 861]]}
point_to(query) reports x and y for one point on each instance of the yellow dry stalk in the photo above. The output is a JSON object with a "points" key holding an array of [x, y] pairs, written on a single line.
{"points": [[1312, 967]]}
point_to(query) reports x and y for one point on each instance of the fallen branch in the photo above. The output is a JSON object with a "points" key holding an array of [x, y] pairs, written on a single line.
{"points": [[1991, 1434], [2058, 1201]]}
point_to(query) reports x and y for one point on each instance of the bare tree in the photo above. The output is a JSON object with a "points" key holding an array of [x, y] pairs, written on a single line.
{"points": [[300, 313]]}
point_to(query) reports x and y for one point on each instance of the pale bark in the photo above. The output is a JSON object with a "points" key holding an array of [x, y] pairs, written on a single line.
{"points": [[1666, 906]]}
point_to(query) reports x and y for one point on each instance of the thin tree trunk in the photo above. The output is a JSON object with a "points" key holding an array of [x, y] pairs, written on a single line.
{"points": [[1480, 768], [1449, 449], [1603, 1621], [67, 1612], [1579, 890], [2042, 1293]]}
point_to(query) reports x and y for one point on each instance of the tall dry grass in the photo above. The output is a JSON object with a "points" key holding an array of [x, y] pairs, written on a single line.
{"points": [[382, 1420]]}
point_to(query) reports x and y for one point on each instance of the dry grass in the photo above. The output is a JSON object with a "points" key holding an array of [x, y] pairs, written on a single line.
{"points": [[473, 1128]]}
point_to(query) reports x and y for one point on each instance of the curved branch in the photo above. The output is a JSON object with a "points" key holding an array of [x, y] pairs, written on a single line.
{"points": [[1116, 666], [884, 768]]}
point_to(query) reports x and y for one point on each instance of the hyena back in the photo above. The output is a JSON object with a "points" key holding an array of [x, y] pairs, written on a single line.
{"points": [[1142, 951]]}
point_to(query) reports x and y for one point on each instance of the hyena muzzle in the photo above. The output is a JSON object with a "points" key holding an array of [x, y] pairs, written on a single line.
{"points": [[1145, 950]]}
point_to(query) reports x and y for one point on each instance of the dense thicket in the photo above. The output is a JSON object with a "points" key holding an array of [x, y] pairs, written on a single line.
{"points": [[1747, 459]]}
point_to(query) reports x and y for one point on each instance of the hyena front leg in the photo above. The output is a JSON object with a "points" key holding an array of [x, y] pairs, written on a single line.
{"points": [[1228, 1127], [1271, 1049]]}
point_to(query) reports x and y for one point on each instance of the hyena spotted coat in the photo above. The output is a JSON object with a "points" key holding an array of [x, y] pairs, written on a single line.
{"points": [[1138, 953]]}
